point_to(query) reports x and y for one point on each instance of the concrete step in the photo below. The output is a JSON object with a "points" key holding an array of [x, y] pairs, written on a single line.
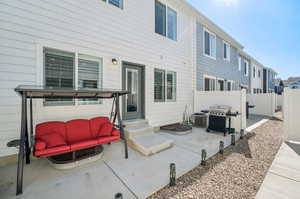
{"points": [[150, 143], [132, 131], [135, 123]]}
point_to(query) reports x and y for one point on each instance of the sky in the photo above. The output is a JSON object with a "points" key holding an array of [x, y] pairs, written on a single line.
{"points": [[268, 29]]}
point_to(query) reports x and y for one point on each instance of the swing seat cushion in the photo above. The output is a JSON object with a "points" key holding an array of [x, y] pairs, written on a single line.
{"points": [[53, 138]]}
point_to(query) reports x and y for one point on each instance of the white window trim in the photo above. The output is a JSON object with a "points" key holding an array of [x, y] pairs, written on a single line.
{"points": [[59, 47], [206, 30], [209, 77], [167, 6], [228, 53], [231, 84], [165, 88]]}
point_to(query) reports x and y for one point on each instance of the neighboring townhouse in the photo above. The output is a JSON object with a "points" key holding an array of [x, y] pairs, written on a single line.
{"points": [[144, 46], [217, 66], [269, 76], [256, 77], [245, 71], [292, 82]]}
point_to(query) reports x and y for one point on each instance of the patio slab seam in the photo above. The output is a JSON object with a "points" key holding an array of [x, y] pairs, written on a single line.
{"points": [[274, 173], [127, 186]]}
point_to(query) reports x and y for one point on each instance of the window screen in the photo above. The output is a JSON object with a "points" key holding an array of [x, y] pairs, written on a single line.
{"points": [[171, 86], [160, 18], [172, 24], [207, 43], [159, 85], [59, 73], [89, 75], [117, 3]]}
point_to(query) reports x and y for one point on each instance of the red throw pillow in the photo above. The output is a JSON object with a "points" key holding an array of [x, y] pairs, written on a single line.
{"points": [[53, 140], [105, 129]]}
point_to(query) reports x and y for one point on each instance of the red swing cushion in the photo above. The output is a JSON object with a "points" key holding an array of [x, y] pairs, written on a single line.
{"points": [[105, 129], [53, 140]]}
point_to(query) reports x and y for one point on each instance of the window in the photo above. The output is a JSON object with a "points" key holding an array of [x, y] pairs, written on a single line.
{"points": [[254, 71], [254, 91], [159, 85], [259, 73], [172, 24], [209, 44], [209, 84], [220, 85], [165, 21], [89, 72], [171, 86], [164, 85], [240, 63], [229, 86], [117, 3], [226, 51], [60, 72], [246, 67], [160, 18]]}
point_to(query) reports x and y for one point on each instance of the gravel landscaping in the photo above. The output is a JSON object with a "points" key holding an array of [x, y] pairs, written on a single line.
{"points": [[238, 173]]}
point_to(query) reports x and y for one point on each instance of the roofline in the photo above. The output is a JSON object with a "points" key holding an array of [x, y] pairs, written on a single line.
{"points": [[212, 26]]}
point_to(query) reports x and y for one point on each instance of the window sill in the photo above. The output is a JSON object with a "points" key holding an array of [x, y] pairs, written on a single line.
{"points": [[165, 37], [211, 57]]}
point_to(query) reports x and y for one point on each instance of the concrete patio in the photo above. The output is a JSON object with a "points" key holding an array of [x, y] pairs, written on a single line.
{"points": [[137, 177]]}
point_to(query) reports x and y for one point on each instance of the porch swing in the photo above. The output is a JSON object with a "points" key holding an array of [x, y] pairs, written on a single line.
{"points": [[56, 139]]}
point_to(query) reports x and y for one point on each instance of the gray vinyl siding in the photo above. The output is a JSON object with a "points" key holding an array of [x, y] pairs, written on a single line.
{"points": [[245, 80], [219, 68], [271, 76]]}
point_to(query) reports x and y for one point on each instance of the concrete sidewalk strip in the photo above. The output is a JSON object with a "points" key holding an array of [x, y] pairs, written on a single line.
{"points": [[287, 163], [282, 180]]}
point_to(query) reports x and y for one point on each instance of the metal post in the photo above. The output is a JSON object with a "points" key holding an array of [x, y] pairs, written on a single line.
{"points": [[242, 134], [118, 196], [221, 148], [203, 157], [22, 147], [31, 124], [27, 148], [172, 174], [233, 139], [121, 125]]}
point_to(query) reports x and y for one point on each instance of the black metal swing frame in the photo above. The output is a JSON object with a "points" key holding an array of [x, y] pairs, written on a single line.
{"points": [[41, 92]]}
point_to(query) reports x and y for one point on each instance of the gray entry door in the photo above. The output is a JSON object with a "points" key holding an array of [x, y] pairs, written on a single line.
{"points": [[133, 103]]}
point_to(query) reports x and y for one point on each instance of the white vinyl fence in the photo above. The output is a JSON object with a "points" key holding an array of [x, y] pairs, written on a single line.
{"points": [[264, 103], [236, 99], [291, 111], [279, 102]]}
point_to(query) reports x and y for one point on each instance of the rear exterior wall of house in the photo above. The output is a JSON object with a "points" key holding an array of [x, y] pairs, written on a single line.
{"points": [[92, 28]]}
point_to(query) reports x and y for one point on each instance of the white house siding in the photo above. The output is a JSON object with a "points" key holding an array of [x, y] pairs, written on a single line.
{"points": [[93, 28]]}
